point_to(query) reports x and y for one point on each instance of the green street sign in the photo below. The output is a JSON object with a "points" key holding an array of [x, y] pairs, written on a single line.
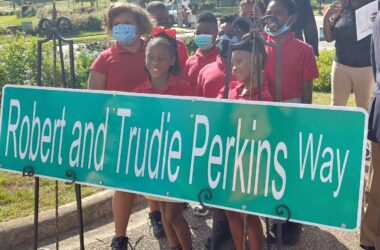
{"points": [[253, 157]]}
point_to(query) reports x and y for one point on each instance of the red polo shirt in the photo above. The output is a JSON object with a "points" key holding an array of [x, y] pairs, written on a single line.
{"points": [[212, 78], [195, 63], [174, 86], [124, 69], [298, 64], [236, 88], [182, 53]]}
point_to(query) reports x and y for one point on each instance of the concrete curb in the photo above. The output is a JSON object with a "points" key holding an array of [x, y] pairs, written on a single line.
{"points": [[20, 231]]}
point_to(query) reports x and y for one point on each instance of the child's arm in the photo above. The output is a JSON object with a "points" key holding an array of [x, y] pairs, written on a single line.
{"points": [[307, 91], [96, 81]]}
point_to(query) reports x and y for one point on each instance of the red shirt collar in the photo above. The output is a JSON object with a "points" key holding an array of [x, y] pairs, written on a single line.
{"points": [[200, 53], [248, 94], [172, 81], [121, 49]]}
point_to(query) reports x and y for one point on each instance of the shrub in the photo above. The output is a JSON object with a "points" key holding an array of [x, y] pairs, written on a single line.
{"points": [[324, 61], [26, 11], [94, 23], [18, 62], [17, 59], [85, 23], [4, 31], [190, 44]]}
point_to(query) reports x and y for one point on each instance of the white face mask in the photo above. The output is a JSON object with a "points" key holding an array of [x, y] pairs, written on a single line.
{"points": [[124, 34], [284, 28]]}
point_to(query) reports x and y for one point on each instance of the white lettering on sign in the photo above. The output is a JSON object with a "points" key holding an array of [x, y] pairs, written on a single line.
{"points": [[155, 151], [78, 148], [220, 153], [244, 160], [29, 139], [330, 161]]}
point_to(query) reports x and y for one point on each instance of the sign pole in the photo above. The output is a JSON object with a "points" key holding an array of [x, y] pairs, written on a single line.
{"points": [[52, 30], [255, 36]]}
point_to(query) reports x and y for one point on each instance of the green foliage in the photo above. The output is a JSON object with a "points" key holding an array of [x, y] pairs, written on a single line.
{"points": [[26, 11], [325, 59], [85, 23], [190, 45], [4, 31], [18, 63], [17, 58]]}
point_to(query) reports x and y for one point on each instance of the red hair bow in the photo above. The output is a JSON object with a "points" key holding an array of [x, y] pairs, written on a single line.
{"points": [[160, 29]]}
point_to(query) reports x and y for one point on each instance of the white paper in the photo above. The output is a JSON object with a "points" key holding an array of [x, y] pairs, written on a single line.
{"points": [[363, 19]]}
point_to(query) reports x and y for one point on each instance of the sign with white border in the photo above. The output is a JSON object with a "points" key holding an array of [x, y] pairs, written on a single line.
{"points": [[252, 156]]}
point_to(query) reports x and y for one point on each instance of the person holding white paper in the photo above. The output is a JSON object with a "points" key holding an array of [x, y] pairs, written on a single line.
{"points": [[351, 69]]}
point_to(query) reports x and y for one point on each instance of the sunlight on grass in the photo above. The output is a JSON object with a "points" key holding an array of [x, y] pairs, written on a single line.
{"points": [[325, 99], [14, 20], [17, 195]]}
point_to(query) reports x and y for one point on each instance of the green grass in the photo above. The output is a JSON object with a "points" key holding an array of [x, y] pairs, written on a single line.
{"points": [[325, 99], [17, 195], [226, 10], [90, 38], [14, 20]]}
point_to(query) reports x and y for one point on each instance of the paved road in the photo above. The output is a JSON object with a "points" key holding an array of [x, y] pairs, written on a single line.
{"points": [[99, 235]]}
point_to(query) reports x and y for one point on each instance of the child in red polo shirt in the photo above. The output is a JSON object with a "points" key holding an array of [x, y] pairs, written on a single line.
{"points": [[206, 30], [246, 88], [298, 63], [212, 76], [298, 69], [162, 65], [121, 68]]}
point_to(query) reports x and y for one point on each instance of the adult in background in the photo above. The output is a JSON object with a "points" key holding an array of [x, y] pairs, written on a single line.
{"points": [[351, 69], [370, 227], [305, 27]]}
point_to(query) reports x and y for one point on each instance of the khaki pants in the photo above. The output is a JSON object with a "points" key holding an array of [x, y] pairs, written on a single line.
{"points": [[345, 79], [370, 228]]}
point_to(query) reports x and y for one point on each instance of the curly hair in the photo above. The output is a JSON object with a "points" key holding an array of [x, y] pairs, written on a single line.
{"points": [[170, 43], [144, 21]]}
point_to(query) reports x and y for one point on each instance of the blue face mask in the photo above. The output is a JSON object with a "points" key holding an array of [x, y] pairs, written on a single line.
{"points": [[224, 39], [124, 34], [284, 28], [203, 41]]}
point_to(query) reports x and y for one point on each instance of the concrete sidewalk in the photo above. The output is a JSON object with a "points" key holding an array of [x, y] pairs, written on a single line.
{"points": [[99, 235]]}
